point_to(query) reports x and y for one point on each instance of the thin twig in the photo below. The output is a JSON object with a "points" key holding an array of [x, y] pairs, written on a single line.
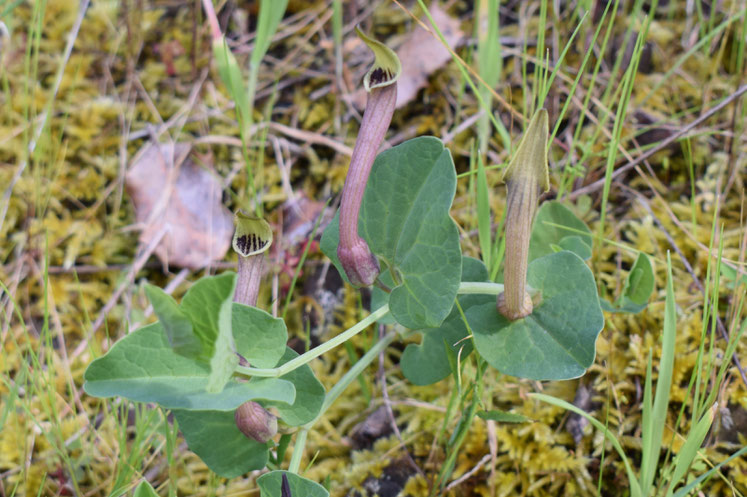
{"points": [[664, 143], [482, 462]]}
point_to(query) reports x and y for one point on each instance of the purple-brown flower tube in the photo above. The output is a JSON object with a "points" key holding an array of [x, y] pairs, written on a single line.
{"points": [[525, 175], [359, 263], [252, 238]]}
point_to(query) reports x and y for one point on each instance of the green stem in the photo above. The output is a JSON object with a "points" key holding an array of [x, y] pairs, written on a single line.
{"points": [[448, 466], [251, 89], [295, 461], [316, 351], [333, 394], [478, 287]]}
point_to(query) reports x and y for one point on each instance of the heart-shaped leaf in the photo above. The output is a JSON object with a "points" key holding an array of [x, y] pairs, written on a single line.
{"points": [[428, 362], [270, 485], [175, 322], [553, 225], [214, 437], [260, 338], [309, 394], [558, 340], [639, 285], [143, 367], [203, 303], [405, 220], [201, 327]]}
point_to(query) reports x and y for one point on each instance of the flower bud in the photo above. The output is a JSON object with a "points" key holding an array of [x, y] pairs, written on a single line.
{"points": [[359, 263], [525, 175], [285, 489], [253, 236], [256, 422]]}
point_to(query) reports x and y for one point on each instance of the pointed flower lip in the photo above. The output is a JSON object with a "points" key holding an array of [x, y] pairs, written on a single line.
{"points": [[253, 235], [530, 159], [387, 66]]}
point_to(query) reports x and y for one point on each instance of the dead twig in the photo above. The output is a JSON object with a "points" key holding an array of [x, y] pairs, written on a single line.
{"points": [[664, 143]]}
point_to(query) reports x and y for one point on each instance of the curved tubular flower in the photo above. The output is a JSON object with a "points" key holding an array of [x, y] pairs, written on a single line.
{"points": [[525, 175], [252, 238], [360, 265]]}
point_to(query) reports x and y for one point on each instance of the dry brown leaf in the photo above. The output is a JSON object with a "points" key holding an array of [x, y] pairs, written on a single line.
{"points": [[174, 195], [423, 53], [299, 217]]}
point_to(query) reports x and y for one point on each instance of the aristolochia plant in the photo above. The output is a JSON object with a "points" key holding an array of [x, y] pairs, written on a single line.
{"points": [[359, 264], [239, 394]]}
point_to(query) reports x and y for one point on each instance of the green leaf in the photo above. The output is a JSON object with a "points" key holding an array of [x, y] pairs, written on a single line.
{"points": [[208, 306], [143, 367], [144, 489], [270, 14], [730, 274], [309, 394], [175, 322], [379, 297], [639, 285], [552, 224], [405, 220], [651, 451], [230, 73], [214, 437], [577, 245], [270, 483], [690, 448], [556, 341], [260, 338], [503, 417], [202, 305], [428, 362]]}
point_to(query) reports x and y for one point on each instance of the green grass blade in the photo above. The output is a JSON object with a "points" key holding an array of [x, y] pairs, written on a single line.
{"points": [[681, 60], [663, 386], [490, 66], [635, 489], [622, 108], [647, 448], [483, 213], [692, 485], [689, 450], [270, 14]]}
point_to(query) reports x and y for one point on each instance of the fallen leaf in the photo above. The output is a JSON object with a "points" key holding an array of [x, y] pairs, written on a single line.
{"points": [[175, 196]]}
